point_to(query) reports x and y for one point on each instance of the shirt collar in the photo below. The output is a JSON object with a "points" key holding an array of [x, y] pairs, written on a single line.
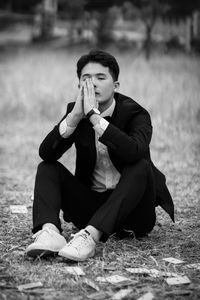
{"points": [[109, 111]]}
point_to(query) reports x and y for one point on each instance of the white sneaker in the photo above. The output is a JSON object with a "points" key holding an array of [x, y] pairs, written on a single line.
{"points": [[81, 247], [47, 241]]}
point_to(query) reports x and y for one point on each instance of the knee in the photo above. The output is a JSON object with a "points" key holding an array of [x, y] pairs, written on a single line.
{"points": [[44, 167]]}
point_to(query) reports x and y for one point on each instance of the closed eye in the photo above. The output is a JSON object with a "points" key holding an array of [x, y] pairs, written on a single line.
{"points": [[85, 77]]}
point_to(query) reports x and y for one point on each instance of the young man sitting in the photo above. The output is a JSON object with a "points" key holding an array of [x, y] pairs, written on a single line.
{"points": [[115, 187]]}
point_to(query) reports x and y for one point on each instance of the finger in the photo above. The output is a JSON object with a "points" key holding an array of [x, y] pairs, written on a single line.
{"points": [[81, 88], [91, 85], [88, 87], [85, 91], [82, 85], [80, 92], [91, 91], [93, 94]]}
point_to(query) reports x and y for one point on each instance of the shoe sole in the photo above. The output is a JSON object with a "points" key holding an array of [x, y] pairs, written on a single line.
{"points": [[40, 252], [62, 254]]}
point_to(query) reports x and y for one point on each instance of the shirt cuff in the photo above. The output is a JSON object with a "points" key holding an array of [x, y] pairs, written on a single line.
{"points": [[64, 129], [101, 126]]}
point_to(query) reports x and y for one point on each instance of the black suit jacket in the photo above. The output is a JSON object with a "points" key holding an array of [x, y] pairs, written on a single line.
{"points": [[127, 137]]}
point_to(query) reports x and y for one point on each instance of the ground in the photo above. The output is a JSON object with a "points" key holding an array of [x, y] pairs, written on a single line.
{"points": [[175, 150]]}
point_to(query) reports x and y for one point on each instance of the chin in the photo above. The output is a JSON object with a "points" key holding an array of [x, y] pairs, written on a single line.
{"points": [[100, 100]]}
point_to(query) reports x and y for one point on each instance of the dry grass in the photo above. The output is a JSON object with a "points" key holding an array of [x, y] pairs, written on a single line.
{"points": [[34, 87]]}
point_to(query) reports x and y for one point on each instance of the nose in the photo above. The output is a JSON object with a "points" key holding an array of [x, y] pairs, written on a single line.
{"points": [[94, 81]]}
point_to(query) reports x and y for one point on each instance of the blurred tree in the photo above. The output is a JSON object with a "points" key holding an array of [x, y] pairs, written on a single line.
{"points": [[179, 9], [189, 11], [99, 5], [48, 18], [104, 14], [19, 5], [128, 11], [16, 12], [104, 17], [45, 15], [147, 11], [74, 12], [73, 9]]}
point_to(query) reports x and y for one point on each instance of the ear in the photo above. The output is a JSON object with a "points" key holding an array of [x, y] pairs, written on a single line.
{"points": [[116, 86]]}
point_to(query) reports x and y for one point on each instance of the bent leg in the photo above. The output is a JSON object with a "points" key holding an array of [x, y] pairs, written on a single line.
{"points": [[131, 205], [47, 196], [55, 189]]}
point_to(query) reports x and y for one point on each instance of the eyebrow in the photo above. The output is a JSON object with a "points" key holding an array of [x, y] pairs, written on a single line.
{"points": [[97, 74]]}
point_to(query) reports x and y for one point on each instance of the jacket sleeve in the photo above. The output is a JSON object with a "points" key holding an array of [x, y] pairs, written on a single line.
{"points": [[54, 145], [131, 144]]}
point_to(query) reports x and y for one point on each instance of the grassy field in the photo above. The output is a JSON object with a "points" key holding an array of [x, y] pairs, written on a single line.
{"points": [[34, 89]]}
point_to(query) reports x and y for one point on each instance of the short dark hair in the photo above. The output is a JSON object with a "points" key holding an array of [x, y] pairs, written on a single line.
{"points": [[101, 57]]}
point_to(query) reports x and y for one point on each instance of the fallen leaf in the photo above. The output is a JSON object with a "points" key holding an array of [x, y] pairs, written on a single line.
{"points": [[178, 280], [18, 209], [28, 286], [74, 271], [113, 279], [151, 272], [138, 270], [173, 260], [121, 294]]}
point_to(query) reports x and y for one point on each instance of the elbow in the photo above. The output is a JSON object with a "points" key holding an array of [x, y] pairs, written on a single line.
{"points": [[47, 157], [42, 153], [134, 154]]}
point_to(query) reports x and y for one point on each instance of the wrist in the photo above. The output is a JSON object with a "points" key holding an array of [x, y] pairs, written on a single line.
{"points": [[92, 111], [87, 110], [95, 119], [74, 118], [76, 113]]}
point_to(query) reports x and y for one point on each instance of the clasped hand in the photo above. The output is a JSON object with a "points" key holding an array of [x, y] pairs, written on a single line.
{"points": [[86, 98]]}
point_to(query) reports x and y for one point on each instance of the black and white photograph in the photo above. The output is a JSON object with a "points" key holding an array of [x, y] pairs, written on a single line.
{"points": [[99, 149]]}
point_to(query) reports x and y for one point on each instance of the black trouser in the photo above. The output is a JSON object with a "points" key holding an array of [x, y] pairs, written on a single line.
{"points": [[130, 206]]}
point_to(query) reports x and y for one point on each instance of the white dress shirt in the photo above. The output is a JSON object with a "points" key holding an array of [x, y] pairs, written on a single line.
{"points": [[105, 176]]}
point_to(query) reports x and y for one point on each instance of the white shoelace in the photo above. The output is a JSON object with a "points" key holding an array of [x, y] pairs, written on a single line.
{"points": [[79, 239]]}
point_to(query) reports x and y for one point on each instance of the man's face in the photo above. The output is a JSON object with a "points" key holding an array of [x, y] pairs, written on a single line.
{"points": [[104, 86]]}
